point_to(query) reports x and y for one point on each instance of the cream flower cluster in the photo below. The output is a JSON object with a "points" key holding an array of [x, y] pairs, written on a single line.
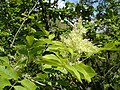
{"points": [[76, 42]]}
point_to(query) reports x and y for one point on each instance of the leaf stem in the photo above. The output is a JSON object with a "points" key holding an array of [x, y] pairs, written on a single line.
{"points": [[12, 86]]}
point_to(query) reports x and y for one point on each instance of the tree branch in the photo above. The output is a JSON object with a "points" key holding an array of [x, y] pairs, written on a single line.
{"points": [[22, 24]]}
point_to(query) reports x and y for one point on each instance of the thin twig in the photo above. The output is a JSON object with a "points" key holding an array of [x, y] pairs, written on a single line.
{"points": [[22, 24], [109, 71], [37, 82]]}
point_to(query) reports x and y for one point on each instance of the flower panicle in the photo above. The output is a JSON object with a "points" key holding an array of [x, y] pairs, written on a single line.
{"points": [[77, 43]]}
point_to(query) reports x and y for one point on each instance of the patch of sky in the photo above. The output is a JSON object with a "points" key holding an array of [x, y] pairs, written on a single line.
{"points": [[73, 1], [61, 3]]}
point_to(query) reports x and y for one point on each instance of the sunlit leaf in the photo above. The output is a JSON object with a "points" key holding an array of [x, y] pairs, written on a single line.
{"points": [[87, 71], [1, 49], [42, 28], [4, 82], [19, 88], [61, 69], [42, 76], [51, 57], [8, 73], [73, 71], [28, 84], [51, 62], [30, 40], [71, 51], [111, 46], [4, 60], [51, 36]]}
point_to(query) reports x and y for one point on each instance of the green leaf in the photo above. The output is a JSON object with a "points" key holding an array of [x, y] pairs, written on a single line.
{"points": [[51, 36], [87, 71], [19, 2], [42, 76], [111, 46], [61, 69], [31, 17], [4, 82], [19, 88], [51, 59], [32, 30], [22, 49], [42, 28], [51, 62], [8, 73], [28, 84], [39, 43], [46, 66], [1, 49], [4, 60], [57, 43], [71, 51], [48, 41], [30, 40], [55, 48], [81, 70], [73, 71]]}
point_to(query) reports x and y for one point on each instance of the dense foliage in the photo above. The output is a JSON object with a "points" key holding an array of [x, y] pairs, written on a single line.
{"points": [[46, 47]]}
